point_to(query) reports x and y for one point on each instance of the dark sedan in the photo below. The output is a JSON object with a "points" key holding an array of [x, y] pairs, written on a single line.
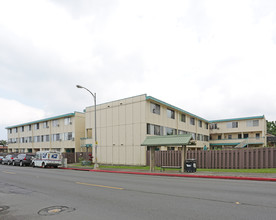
{"points": [[23, 160]]}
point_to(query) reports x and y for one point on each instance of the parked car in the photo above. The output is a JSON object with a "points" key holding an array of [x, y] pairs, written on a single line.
{"points": [[8, 159], [1, 157], [23, 160]]}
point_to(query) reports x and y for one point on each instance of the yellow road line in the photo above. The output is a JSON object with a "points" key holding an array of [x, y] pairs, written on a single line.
{"points": [[8, 172], [109, 187]]}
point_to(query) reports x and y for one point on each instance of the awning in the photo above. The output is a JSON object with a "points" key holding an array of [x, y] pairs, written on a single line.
{"points": [[169, 140]]}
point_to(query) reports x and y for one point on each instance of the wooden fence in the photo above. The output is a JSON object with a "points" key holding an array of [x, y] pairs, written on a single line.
{"points": [[221, 159], [75, 157]]}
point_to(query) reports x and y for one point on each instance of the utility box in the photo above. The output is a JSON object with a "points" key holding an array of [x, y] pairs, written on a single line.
{"points": [[190, 166]]}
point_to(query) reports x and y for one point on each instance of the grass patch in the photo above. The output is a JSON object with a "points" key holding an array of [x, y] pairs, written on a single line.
{"points": [[270, 170]]}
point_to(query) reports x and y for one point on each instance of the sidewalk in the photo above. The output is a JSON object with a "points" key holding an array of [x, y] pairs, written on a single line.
{"points": [[176, 173]]}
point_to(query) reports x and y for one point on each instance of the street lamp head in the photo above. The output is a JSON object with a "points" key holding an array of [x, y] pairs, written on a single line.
{"points": [[78, 86]]}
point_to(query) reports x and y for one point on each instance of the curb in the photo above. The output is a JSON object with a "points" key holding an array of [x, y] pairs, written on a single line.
{"points": [[176, 175]]}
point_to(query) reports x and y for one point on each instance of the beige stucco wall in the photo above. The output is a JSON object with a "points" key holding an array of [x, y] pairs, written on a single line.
{"points": [[121, 128], [242, 129]]}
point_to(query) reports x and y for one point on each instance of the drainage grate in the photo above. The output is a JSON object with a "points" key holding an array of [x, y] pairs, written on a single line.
{"points": [[54, 210], [3, 208]]}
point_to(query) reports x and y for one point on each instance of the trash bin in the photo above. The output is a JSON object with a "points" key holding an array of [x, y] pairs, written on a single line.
{"points": [[190, 166]]}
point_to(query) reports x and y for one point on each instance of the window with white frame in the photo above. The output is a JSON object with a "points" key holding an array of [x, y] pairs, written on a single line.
{"points": [[155, 108], [55, 123], [45, 124], [36, 126], [68, 136], [67, 121], [252, 123], [233, 124]]}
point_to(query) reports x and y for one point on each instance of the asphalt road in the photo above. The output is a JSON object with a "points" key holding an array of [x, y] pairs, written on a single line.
{"points": [[36, 193]]}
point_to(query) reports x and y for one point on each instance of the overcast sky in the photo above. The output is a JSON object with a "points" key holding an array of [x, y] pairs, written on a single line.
{"points": [[213, 58]]}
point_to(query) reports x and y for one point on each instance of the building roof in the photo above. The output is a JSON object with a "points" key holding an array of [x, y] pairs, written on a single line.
{"points": [[173, 107], [237, 119], [45, 119], [170, 140]]}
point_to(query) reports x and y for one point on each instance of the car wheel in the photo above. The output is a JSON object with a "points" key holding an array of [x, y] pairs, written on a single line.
{"points": [[33, 165], [13, 163], [21, 163], [43, 165]]}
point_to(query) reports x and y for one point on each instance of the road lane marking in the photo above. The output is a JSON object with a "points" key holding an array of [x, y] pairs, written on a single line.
{"points": [[89, 184], [8, 172]]}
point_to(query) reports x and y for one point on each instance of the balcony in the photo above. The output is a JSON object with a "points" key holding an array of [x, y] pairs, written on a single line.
{"points": [[86, 142], [238, 143]]}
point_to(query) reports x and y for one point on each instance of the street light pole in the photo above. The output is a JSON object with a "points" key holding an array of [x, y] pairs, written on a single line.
{"points": [[96, 166]]}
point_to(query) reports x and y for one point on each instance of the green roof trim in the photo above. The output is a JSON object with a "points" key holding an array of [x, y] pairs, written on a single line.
{"points": [[237, 119], [173, 107], [45, 119], [170, 140]]}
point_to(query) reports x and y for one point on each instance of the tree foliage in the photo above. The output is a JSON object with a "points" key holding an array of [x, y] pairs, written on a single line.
{"points": [[271, 127], [3, 142]]}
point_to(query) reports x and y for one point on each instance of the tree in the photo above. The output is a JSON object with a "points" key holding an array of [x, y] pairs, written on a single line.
{"points": [[3, 142], [271, 127]]}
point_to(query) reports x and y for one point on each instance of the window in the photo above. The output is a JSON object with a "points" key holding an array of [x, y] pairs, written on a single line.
{"points": [[245, 135], [252, 123], [170, 113], [206, 125], [213, 126], [36, 139], [182, 132], [55, 123], [30, 139], [67, 121], [239, 136], [183, 118], [258, 136], [200, 124], [230, 136], [36, 126], [68, 136], [30, 127], [22, 129], [10, 131], [56, 137], [155, 108], [192, 121], [154, 129], [219, 137], [233, 124], [15, 130], [45, 124], [170, 131]]}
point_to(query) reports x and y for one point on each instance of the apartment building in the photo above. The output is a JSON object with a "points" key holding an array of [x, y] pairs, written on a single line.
{"points": [[61, 133], [238, 132], [123, 125]]}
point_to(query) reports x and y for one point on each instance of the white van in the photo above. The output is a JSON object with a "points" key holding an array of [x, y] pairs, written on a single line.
{"points": [[47, 159]]}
